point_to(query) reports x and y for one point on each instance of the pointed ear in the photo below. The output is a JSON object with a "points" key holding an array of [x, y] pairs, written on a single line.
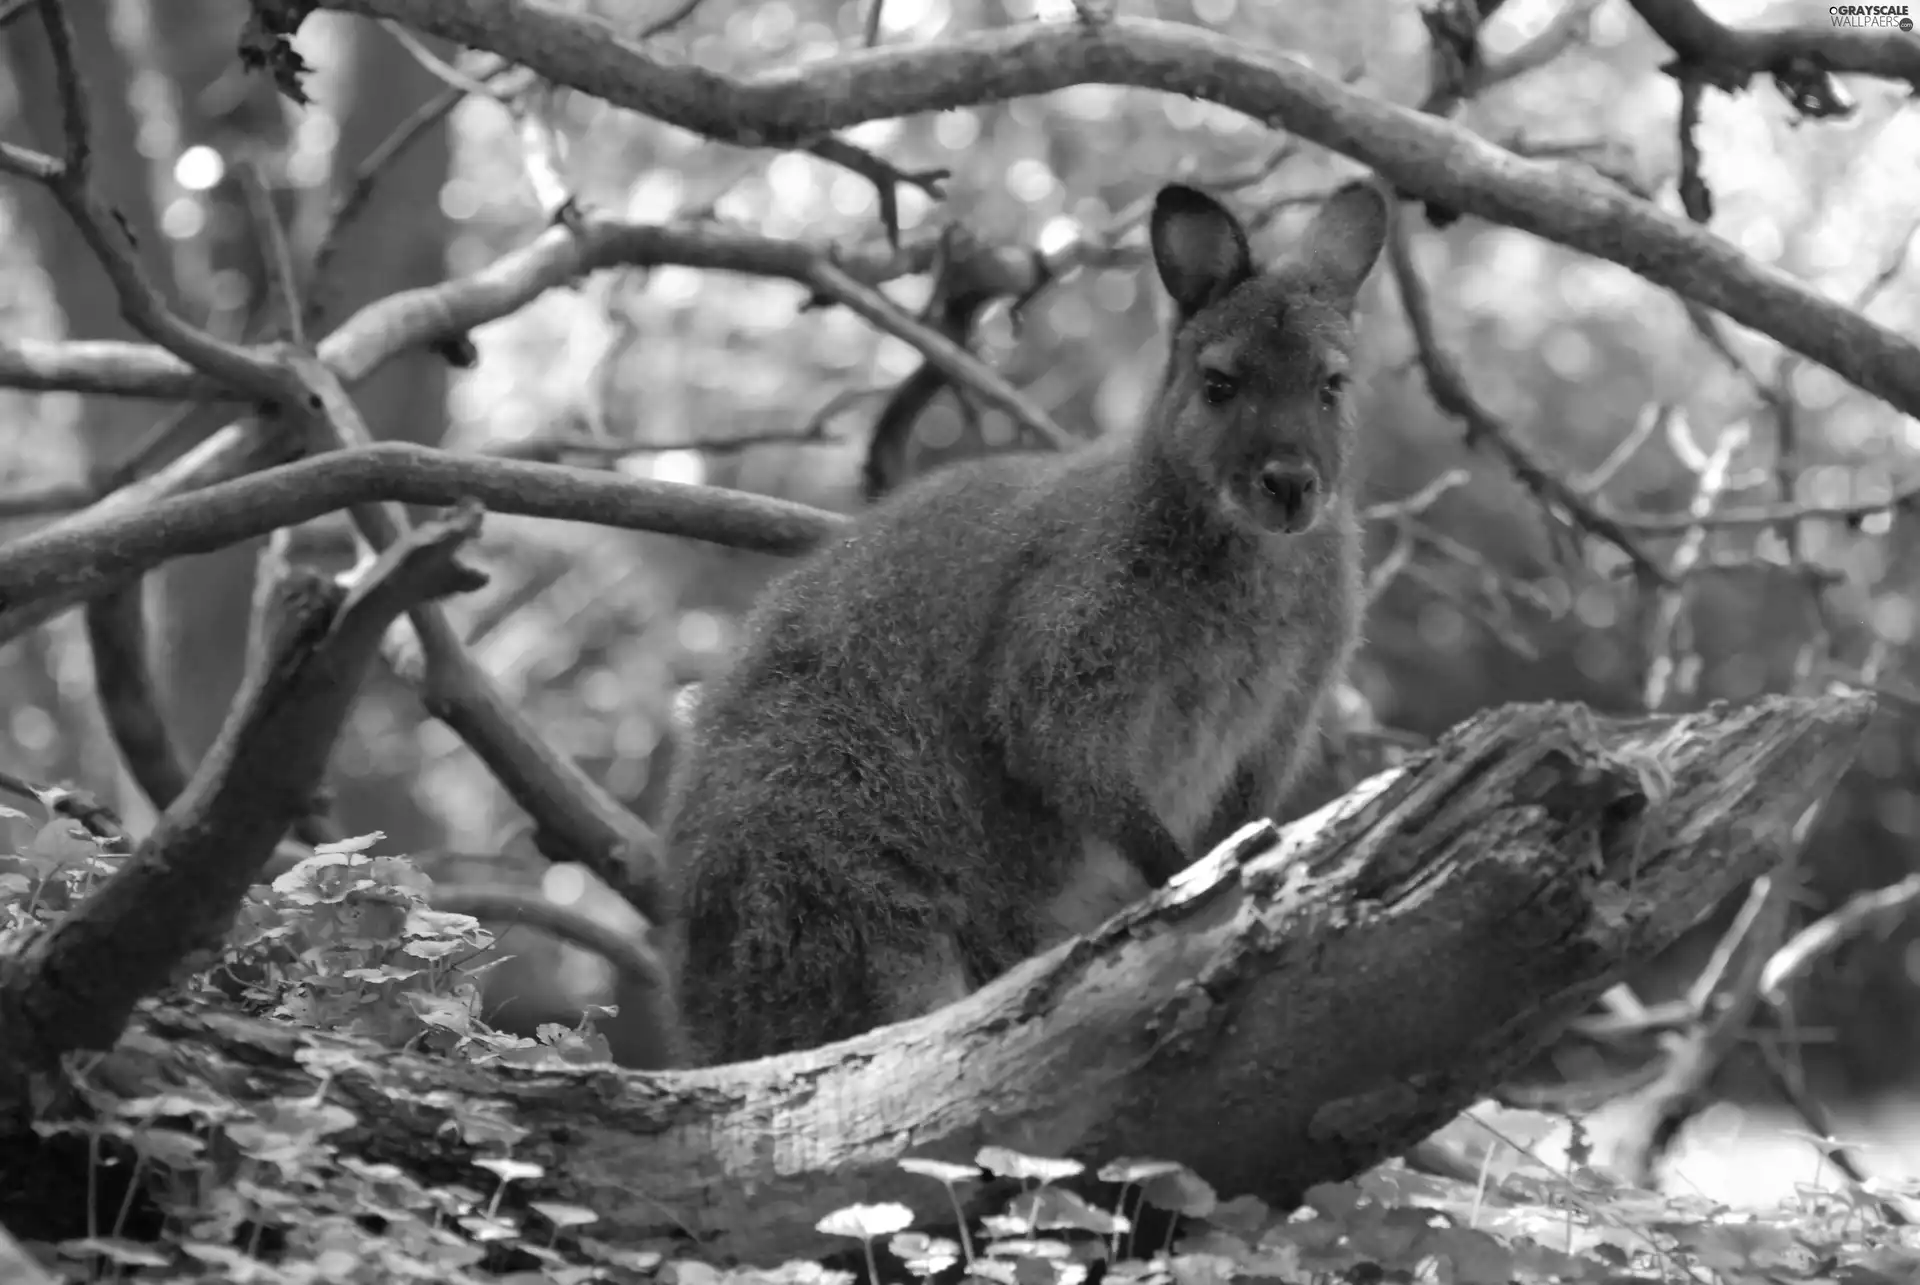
{"points": [[1198, 246], [1345, 238]]}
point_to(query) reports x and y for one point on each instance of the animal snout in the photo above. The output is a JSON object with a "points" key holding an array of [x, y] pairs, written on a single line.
{"points": [[1287, 493]]}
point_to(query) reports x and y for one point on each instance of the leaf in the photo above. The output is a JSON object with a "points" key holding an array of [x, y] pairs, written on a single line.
{"points": [[1007, 1163], [1181, 1192], [1055, 1208], [346, 847], [864, 1222], [509, 1170], [1130, 1171], [940, 1170]]}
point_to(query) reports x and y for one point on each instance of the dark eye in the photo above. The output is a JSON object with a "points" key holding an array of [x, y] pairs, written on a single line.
{"points": [[1218, 388], [1331, 388]]}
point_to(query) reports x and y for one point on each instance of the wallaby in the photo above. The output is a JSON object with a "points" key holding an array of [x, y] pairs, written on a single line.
{"points": [[1023, 690]]}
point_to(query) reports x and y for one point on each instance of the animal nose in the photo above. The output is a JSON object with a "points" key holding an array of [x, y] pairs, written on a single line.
{"points": [[1291, 489]]}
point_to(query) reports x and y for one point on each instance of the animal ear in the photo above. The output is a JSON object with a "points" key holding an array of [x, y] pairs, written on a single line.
{"points": [[1344, 239], [1198, 246]]}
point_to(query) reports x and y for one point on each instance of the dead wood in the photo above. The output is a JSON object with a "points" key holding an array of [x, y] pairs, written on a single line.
{"points": [[1299, 1006]]}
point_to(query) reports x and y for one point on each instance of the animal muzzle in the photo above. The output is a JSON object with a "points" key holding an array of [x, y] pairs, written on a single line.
{"points": [[1286, 496]]}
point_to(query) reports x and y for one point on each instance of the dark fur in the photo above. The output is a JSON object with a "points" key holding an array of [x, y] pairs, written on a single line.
{"points": [[944, 726]]}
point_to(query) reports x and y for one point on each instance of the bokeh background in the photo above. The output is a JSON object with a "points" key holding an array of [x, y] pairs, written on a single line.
{"points": [[593, 632]]}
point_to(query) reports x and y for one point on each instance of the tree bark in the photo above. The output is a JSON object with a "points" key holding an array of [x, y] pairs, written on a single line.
{"points": [[1295, 1008]]}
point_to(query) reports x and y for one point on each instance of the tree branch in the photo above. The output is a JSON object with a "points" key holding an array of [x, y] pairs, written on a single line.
{"points": [[411, 319], [1418, 153], [74, 986], [93, 552], [1728, 57], [106, 233]]}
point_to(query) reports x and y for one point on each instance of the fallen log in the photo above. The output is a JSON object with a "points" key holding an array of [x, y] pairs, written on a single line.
{"points": [[1298, 1006]]}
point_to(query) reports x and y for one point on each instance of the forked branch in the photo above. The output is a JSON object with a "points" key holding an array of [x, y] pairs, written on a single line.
{"points": [[73, 986], [1421, 155]]}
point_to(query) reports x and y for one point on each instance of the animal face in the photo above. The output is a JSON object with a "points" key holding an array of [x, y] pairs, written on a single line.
{"points": [[1255, 404]]}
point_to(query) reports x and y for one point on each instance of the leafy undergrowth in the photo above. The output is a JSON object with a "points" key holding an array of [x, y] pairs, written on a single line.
{"points": [[272, 1192]]}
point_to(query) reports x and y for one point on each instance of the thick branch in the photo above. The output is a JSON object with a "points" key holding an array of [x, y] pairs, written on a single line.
{"points": [[411, 319], [1420, 154], [1288, 1012], [74, 986], [91, 554]]}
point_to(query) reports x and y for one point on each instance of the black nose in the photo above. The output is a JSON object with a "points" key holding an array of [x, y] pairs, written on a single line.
{"points": [[1290, 488]]}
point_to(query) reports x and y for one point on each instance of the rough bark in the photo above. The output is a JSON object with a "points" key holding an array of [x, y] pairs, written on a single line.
{"points": [[1295, 1008]]}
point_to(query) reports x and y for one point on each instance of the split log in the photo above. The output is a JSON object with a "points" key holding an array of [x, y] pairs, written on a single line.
{"points": [[1300, 1005]]}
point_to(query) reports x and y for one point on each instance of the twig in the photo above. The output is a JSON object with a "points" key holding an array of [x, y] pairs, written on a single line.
{"points": [[1695, 1059], [631, 957], [1450, 392], [955, 362], [1877, 910], [1568, 27], [1664, 665], [123, 677], [366, 175], [1695, 196], [885, 176], [272, 236], [558, 448], [1900, 500], [576, 820], [440, 68], [107, 236], [1652, 419], [668, 21]]}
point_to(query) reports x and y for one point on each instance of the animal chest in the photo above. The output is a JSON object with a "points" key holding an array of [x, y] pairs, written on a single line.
{"points": [[1199, 724]]}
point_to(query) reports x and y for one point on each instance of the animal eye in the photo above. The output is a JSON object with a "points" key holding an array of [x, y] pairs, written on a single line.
{"points": [[1331, 387], [1218, 388]]}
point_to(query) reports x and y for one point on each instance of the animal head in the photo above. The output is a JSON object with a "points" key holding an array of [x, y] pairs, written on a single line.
{"points": [[1255, 402]]}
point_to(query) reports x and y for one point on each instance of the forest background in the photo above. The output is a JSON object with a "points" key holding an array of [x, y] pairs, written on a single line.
{"points": [[691, 374]]}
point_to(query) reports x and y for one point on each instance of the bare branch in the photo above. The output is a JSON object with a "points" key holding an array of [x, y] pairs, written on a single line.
{"points": [[417, 318], [954, 361], [1567, 28], [107, 236], [571, 447], [885, 176], [1420, 154], [670, 19], [91, 553], [576, 820], [507, 904], [1451, 393], [1668, 671], [117, 636], [1901, 499], [1861, 912], [271, 234], [74, 986], [1802, 59], [367, 173]]}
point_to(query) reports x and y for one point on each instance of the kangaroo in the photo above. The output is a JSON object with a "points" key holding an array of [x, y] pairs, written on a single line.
{"points": [[1023, 690]]}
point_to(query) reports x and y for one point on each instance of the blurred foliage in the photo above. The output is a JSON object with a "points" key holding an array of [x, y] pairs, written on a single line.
{"points": [[606, 626]]}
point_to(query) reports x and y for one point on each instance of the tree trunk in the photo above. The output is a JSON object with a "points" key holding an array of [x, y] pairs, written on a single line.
{"points": [[1295, 1008]]}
